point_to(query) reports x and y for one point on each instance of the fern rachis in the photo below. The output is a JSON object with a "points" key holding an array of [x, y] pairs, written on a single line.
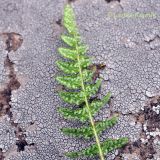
{"points": [[78, 79]]}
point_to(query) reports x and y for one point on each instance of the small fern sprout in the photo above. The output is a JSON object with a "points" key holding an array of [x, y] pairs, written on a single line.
{"points": [[80, 88]]}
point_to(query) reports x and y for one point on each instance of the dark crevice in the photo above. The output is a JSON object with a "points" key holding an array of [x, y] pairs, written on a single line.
{"points": [[96, 68], [13, 84], [143, 151], [5, 94], [59, 22], [21, 143], [108, 1], [148, 117], [71, 1], [1, 154], [58, 27], [152, 39], [32, 144], [31, 123], [12, 40]]}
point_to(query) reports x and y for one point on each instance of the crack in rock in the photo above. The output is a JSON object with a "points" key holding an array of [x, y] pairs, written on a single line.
{"points": [[96, 68], [1, 154], [143, 148], [71, 1], [12, 40], [5, 94], [108, 1], [21, 142], [13, 84], [151, 38], [138, 149], [59, 22]]}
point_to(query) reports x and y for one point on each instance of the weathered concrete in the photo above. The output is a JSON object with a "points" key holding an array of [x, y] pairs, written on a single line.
{"points": [[130, 47]]}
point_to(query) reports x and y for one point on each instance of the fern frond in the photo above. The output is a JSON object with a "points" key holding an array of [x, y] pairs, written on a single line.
{"points": [[80, 90]]}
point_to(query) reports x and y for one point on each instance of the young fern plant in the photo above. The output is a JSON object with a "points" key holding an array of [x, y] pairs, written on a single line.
{"points": [[80, 88]]}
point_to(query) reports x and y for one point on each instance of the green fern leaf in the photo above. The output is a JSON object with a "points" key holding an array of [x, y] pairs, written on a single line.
{"points": [[82, 113], [103, 125], [69, 40], [72, 67], [84, 62], [68, 53], [72, 97], [69, 20], [107, 146], [74, 81], [82, 49], [78, 97], [68, 67], [78, 114], [70, 82], [93, 88], [87, 132]]}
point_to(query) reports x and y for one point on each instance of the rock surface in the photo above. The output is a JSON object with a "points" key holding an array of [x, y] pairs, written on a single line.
{"points": [[117, 35]]}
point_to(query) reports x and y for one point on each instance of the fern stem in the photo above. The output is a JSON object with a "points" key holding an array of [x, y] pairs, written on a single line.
{"points": [[88, 108]]}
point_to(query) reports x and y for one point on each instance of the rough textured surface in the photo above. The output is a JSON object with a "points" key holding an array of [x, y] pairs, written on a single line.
{"points": [[130, 47]]}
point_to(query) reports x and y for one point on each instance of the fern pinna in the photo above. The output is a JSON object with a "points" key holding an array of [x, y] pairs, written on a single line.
{"points": [[80, 88]]}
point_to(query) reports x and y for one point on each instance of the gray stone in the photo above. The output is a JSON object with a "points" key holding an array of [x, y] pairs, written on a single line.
{"points": [[132, 69]]}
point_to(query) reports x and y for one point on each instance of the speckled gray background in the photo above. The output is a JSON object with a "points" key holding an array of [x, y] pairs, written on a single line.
{"points": [[130, 48]]}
